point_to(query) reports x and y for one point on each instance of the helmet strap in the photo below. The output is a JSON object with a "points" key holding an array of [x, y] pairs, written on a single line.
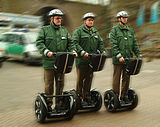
{"points": [[52, 21], [89, 27], [123, 22]]}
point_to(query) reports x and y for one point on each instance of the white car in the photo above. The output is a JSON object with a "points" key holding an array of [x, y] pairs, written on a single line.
{"points": [[21, 46], [2, 53]]}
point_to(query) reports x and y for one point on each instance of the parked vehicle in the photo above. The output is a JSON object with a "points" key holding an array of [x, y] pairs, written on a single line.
{"points": [[2, 53], [21, 46]]}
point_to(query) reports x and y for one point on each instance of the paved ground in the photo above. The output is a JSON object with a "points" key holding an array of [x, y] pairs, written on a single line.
{"points": [[20, 83]]}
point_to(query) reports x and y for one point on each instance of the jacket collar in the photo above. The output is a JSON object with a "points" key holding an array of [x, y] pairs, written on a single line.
{"points": [[55, 27], [87, 30], [122, 28]]}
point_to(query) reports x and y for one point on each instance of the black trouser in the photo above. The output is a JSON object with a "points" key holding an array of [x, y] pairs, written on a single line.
{"points": [[84, 81], [49, 76], [119, 70]]}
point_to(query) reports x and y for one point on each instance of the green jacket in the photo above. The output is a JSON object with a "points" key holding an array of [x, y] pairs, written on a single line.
{"points": [[88, 41], [54, 39], [123, 43]]}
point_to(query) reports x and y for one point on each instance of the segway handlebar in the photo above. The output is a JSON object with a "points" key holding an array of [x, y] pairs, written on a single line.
{"points": [[95, 54], [132, 59], [55, 53]]}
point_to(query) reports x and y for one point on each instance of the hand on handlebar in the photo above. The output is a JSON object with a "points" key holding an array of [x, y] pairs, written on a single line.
{"points": [[85, 55], [121, 59], [75, 54], [50, 54]]}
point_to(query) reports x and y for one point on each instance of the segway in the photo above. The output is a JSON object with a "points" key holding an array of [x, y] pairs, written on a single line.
{"points": [[94, 98], [63, 64], [111, 99]]}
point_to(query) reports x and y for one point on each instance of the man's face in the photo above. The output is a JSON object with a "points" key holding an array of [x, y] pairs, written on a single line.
{"points": [[89, 22], [57, 20], [124, 19]]}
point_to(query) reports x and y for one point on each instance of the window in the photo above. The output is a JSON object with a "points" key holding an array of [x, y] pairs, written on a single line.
{"points": [[31, 37], [101, 2], [154, 12], [140, 16]]}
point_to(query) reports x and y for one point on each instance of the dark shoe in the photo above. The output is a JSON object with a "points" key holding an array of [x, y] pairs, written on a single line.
{"points": [[56, 110], [49, 104], [49, 108], [126, 99], [84, 103], [122, 102], [59, 108], [88, 99]]}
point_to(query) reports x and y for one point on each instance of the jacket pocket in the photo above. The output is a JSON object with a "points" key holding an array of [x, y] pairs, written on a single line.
{"points": [[84, 42], [64, 39], [120, 38]]}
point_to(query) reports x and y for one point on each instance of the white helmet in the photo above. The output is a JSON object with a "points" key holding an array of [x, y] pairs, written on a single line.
{"points": [[122, 14], [89, 15], [55, 12]]}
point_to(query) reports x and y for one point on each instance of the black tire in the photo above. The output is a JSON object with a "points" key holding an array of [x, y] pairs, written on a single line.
{"points": [[1, 61], [40, 110], [111, 101], [77, 99], [0, 64], [133, 98], [96, 97], [72, 108], [26, 59]]}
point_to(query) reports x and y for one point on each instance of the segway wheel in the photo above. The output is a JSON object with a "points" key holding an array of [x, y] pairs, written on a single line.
{"points": [[40, 110], [69, 102], [77, 99], [97, 98], [133, 98], [111, 101]]}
